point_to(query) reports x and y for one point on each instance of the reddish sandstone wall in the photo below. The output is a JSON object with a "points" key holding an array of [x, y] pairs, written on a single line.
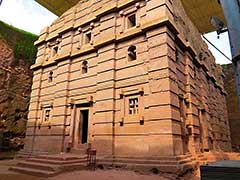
{"points": [[206, 84], [177, 83]]}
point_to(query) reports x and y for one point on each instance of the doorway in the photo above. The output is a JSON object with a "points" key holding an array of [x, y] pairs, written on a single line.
{"points": [[83, 133]]}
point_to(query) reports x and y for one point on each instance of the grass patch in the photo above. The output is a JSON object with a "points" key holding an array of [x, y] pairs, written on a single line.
{"points": [[20, 41]]}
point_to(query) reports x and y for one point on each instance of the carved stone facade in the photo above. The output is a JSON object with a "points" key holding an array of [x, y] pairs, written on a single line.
{"points": [[129, 77]]}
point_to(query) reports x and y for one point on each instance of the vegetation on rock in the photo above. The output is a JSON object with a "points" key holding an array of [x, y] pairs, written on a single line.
{"points": [[21, 42]]}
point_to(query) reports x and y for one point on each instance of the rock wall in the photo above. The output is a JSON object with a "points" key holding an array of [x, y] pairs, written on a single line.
{"points": [[16, 47], [232, 105]]}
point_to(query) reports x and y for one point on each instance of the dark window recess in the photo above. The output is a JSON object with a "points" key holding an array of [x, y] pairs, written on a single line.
{"points": [[194, 72], [131, 21], [47, 115], [88, 37], [55, 51], [177, 55], [133, 106], [50, 76], [189, 130], [206, 150], [201, 56], [121, 123], [84, 67], [132, 53], [141, 122], [84, 119]]}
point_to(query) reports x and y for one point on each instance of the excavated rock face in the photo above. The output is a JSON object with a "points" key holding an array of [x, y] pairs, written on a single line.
{"points": [[15, 86], [232, 104], [5, 53]]}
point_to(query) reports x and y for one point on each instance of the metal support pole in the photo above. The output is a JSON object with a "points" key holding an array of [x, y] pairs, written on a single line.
{"points": [[231, 9]]}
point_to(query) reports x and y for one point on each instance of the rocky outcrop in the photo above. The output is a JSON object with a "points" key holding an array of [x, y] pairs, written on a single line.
{"points": [[17, 53]]}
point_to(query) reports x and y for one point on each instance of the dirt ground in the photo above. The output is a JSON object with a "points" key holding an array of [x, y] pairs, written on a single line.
{"points": [[85, 175]]}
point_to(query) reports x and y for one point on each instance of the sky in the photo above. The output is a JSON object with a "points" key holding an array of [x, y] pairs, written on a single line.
{"points": [[26, 14], [32, 17]]}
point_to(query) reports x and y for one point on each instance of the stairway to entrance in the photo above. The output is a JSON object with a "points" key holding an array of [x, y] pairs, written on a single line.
{"points": [[51, 165]]}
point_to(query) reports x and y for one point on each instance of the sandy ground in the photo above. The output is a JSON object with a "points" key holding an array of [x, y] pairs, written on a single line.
{"points": [[106, 175], [84, 175]]}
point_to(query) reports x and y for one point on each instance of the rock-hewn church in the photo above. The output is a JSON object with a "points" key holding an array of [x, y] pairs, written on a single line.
{"points": [[130, 78]]}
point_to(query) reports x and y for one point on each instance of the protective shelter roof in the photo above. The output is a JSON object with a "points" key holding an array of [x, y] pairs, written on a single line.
{"points": [[199, 11]]}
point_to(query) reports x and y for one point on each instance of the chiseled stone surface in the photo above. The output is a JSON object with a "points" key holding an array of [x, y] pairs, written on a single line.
{"points": [[170, 101]]}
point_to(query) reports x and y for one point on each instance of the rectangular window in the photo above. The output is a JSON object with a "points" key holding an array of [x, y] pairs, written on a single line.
{"points": [[133, 106], [132, 53], [50, 76], [177, 55], [47, 115], [54, 51], [88, 37], [131, 21]]}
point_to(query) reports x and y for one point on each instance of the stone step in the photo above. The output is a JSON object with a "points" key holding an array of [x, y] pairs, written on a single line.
{"points": [[28, 154], [33, 172], [23, 155], [149, 160], [180, 157], [142, 157], [200, 155], [201, 159], [50, 165], [79, 151], [137, 161], [40, 166], [56, 162], [34, 152], [187, 160], [59, 157]]}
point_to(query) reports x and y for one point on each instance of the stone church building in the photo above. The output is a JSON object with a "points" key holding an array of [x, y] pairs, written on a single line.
{"points": [[129, 78]]}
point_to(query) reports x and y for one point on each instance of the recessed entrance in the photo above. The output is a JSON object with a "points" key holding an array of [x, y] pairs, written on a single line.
{"points": [[80, 128], [84, 116]]}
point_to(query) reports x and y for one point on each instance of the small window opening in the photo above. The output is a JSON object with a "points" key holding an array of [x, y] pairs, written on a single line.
{"points": [[54, 51], [50, 77], [131, 21], [47, 115], [177, 55], [84, 67], [133, 106], [88, 37], [194, 73], [121, 123], [142, 122], [201, 56], [132, 53]]}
